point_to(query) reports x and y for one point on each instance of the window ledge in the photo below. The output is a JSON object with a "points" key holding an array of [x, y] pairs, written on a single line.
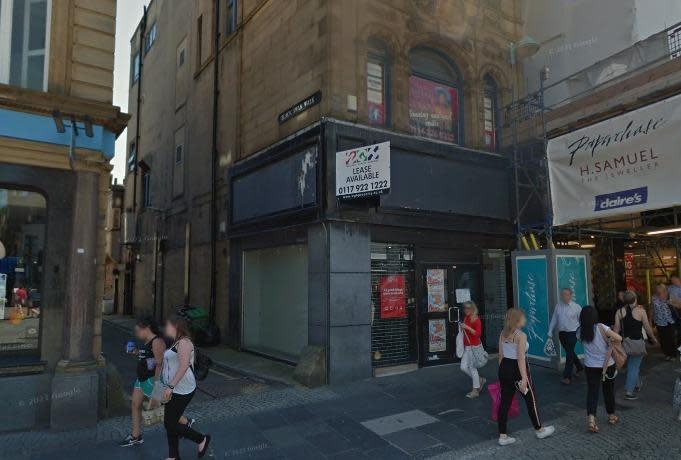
{"points": [[15, 365]]}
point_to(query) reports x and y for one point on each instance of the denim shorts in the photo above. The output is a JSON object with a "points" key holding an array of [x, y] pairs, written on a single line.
{"points": [[147, 386]]}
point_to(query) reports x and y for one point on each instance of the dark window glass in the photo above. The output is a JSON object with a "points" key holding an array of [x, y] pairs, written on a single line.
{"points": [[132, 157], [490, 113], [146, 189], [230, 17], [377, 84]]}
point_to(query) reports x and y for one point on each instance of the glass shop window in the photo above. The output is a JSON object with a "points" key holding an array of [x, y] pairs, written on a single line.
{"points": [[22, 244]]}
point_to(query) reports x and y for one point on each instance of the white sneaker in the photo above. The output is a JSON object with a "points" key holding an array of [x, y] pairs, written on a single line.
{"points": [[506, 441], [545, 432]]}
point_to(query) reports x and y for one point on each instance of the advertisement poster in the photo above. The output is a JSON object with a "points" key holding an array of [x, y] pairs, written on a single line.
{"points": [[629, 277], [533, 297], [393, 297], [363, 171], [623, 165], [375, 102], [571, 273], [437, 335], [433, 110], [435, 280]]}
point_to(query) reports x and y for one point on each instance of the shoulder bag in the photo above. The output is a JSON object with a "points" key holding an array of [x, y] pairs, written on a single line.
{"points": [[616, 352], [478, 354], [459, 343], [632, 347]]}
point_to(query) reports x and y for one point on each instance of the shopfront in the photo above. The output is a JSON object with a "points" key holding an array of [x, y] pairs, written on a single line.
{"points": [[376, 280], [22, 242]]}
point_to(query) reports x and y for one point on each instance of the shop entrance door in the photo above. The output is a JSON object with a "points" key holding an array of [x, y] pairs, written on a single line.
{"points": [[443, 289]]}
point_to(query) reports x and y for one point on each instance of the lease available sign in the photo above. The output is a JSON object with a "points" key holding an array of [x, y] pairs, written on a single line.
{"points": [[627, 164], [363, 171]]}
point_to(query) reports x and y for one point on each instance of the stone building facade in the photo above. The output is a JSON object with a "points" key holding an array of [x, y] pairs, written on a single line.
{"points": [[247, 191], [57, 133]]}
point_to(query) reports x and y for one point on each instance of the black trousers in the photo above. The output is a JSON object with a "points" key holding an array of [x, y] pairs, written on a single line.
{"points": [[594, 380], [668, 339], [568, 340], [509, 374], [174, 429]]}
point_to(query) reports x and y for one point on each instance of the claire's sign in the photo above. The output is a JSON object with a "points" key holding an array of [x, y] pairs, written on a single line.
{"points": [[363, 171], [627, 164]]}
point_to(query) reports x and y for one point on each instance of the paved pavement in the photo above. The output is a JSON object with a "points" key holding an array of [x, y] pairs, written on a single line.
{"points": [[422, 414]]}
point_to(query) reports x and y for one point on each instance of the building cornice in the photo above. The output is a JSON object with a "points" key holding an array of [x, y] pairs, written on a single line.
{"points": [[108, 116]]}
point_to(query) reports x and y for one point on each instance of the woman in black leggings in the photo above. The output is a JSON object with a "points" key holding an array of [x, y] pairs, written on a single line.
{"points": [[596, 338], [178, 377], [514, 375]]}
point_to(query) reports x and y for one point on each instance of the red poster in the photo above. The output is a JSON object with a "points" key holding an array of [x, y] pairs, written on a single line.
{"points": [[629, 271], [433, 110], [393, 297]]}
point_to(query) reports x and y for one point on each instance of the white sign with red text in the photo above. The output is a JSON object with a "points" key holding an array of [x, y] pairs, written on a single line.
{"points": [[627, 164]]}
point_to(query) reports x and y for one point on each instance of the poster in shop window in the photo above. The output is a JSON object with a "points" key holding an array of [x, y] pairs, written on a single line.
{"points": [[435, 280], [629, 277], [393, 297], [437, 335], [375, 102], [433, 110]]}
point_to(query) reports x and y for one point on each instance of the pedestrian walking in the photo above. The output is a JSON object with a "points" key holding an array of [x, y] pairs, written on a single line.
{"points": [[149, 365], [471, 328], [630, 320], [178, 378], [600, 365], [566, 319], [514, 376], [666, 320]]}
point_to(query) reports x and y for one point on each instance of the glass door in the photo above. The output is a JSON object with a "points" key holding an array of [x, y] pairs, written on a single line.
{"points": [[443, 289]]}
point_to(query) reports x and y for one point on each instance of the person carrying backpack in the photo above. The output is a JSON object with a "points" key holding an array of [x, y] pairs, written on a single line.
{"points": [[180, 386]]}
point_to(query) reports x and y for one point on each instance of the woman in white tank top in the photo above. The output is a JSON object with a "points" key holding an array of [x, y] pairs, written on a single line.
{"points": [[514, 376], [178, 378]]}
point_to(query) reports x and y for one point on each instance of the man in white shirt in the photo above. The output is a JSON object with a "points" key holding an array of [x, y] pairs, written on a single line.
{"points": [[566, 320]]}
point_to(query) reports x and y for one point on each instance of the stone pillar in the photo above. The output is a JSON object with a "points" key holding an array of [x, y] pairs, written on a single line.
{"points": [[75, 384], [339, 298]]}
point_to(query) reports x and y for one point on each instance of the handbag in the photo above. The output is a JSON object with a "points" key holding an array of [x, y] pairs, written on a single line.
{"points": [[478, 354], [152, 416], [459, 344], [494, 390], [616, 352], [632, 347]]}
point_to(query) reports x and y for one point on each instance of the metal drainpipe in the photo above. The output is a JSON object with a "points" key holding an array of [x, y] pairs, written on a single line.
{"points": [[214, 166]]}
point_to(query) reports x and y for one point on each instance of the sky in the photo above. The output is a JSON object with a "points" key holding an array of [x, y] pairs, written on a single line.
{"points": [[128, 16]]}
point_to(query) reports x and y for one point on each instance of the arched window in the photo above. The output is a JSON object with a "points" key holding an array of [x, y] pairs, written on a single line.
{"points": [[435, 97], [378, 83], [491, 113]]}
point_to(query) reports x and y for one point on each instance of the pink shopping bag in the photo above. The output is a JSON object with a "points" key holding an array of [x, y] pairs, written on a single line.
{"points": [[494, 390]]}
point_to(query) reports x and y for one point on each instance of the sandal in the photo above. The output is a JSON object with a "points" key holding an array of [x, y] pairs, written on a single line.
{"points": [[613, 419], [591, 425]]}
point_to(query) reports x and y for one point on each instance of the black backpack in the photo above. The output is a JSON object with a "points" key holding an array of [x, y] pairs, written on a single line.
{"points": [[202, 364]]}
